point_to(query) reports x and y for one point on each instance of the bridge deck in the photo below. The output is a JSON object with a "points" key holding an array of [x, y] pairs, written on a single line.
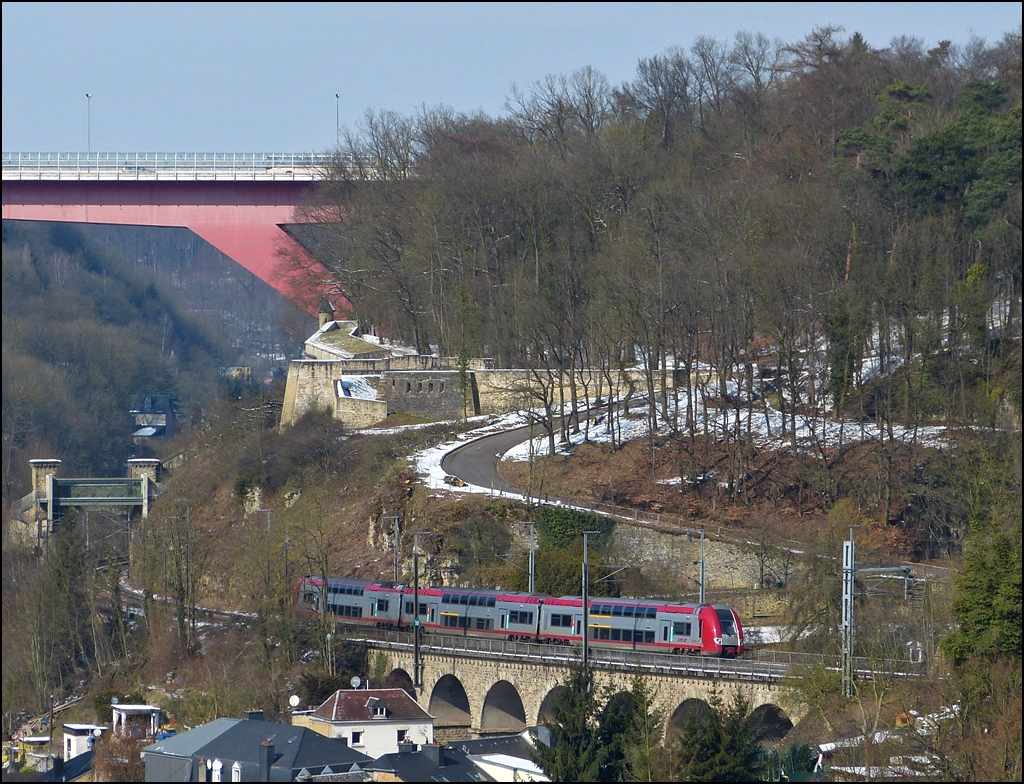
{"points": [[165, 167]]}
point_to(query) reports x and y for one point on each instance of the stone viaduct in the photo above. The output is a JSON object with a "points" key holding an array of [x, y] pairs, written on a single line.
{"points": [[479, 694]]}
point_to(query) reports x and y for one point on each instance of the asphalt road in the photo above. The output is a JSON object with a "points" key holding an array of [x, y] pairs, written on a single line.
{"points": [[476, 463]]}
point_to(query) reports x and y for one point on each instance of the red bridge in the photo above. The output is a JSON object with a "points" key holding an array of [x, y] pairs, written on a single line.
{"points": [[238, 202]]}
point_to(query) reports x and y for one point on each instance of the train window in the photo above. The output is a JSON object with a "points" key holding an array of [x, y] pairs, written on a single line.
{"points": [[520, 616], [464, 599], [682, 629], [616, 634], [446, 599], [627, 635], [648, 636], [490, 601], [652, 612], [627, 612], [453, 621], [382, 605], [484, 623], [408, 608], [725, 618], [617, 611], [472, 600], [561, 620]]}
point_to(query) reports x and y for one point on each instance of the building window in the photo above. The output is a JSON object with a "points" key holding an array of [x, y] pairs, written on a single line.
{"points": [[402, 735], [419, 386], [357, 738], [442, 386], [408, 386], [430, 387], [236, 771]]}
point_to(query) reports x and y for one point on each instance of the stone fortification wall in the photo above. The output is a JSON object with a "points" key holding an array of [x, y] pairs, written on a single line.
{"points": [[505, 390], [355, 413], [432, 394], [407, 362], [728, 565], [406, 386], [310, 386]]}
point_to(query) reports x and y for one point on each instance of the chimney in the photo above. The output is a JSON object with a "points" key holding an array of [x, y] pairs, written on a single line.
{"points": [[58, 768], [254, 715], [266, 754], [202, 769], [433, 752], [406, 748]]}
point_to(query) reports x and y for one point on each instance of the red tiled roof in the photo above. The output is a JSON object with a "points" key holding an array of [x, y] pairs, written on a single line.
{"points": [[357, 705]]}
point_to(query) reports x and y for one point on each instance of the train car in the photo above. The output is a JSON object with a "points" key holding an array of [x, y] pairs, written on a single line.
{"points": [[645, 625], [475, 612], [637, 624], [357, 602]]}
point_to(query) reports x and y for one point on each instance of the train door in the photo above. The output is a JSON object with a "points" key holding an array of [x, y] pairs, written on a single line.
{"points": [[577, 625], [665, 632]]}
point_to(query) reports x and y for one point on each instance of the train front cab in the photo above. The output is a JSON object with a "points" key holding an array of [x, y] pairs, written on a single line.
{"points": [[721, 632]]}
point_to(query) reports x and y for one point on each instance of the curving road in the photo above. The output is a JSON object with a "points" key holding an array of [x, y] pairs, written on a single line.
{"points": [[476, 463]]}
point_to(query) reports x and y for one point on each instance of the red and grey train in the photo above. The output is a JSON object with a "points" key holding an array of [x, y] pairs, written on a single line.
{"points": [[639, 624]]}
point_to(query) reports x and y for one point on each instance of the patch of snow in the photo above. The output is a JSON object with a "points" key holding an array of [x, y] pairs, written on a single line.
{"points": [[358, 387]]}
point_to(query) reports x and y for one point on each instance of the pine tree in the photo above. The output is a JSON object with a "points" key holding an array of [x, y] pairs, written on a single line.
{"points": [[574, 753], [721, 745]]}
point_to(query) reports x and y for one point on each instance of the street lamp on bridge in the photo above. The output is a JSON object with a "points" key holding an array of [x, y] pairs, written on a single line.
{"points": [[88, 99]]}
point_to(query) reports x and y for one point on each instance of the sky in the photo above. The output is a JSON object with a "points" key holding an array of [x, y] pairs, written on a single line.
{"points": [[252, 77]]}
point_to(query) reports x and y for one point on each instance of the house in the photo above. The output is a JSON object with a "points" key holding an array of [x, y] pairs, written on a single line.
{"points": [[78, 738], [138, 721], [429, 762], [504, 757], [250, 750], [374, 721], [152, 417]]}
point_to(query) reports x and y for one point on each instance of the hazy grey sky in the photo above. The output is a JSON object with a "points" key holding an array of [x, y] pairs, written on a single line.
{"points": [[250, 77]]}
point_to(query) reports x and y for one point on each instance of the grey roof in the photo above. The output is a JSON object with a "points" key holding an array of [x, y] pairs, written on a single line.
{"points": [[294, 747], [191, 742], [512, 745], [417, 766]]}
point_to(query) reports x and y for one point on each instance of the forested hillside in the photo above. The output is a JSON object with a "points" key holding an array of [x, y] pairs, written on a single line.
{"points": [[740, 204], [819, 243], [82, 334]]}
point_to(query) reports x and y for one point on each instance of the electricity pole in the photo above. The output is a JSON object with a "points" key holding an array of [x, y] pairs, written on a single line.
{"points": [[848, 583], [533, 551], [416, 607], [586, 596], [395, 519]]}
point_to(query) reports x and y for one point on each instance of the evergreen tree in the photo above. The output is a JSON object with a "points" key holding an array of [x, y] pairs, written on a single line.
{"points": [[574, 753], [721, 745]]}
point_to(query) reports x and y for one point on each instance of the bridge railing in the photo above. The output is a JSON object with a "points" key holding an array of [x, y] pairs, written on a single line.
{"points": [[760, 665], [198, 166]]}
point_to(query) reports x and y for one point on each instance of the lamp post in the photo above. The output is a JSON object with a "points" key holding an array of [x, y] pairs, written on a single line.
{"points": [[586, 595], [395, 519], [337, 119], [703, 592], [533, 550], [267, 513], [88, 98], [416, 606]]}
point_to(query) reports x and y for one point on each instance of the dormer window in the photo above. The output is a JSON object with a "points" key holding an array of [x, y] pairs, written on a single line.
{"points": [[379, 711]]}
